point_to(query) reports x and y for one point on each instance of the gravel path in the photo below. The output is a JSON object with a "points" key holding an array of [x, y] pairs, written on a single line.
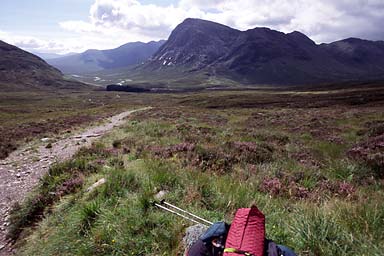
{"points": [[21, 171]]}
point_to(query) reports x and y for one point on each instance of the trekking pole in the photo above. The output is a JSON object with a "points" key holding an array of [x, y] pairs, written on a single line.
{"points": [[190, 217], [178, 214], [184, 211]]}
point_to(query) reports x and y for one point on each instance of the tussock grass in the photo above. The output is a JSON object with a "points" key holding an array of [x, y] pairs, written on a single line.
{"points": [[61, 179], [211, 162]]}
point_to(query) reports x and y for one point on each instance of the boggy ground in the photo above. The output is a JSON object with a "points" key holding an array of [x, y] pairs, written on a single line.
{"points": [[311, 161]]}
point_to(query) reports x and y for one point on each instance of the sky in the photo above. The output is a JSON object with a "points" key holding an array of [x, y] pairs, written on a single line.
{"points": [[63, 26]]}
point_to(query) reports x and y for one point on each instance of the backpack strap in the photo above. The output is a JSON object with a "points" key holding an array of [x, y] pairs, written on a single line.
{"points": [[233, 250], [272, 249]]}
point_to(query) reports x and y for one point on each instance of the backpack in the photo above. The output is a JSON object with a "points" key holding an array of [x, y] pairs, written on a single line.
{"points": [[273, 249], [214, 238], [247, 233], [245, 236]]}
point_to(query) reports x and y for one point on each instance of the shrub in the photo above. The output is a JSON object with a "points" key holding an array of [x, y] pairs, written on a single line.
{"points": [[285, 186], [88, 215], [213, 159], [370, 153], [372, 128], [169, 151], [98, 150], [69, 186], [250, 152]]}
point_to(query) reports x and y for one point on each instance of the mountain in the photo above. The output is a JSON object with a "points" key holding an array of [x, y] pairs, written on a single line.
{"points": [[97, 60], [47, 56], [358, 54], [263, 56], [21, 70], [195, 44]]}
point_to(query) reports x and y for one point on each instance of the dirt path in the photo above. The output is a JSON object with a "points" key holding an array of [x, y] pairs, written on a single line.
{"points": [[20, 172]]}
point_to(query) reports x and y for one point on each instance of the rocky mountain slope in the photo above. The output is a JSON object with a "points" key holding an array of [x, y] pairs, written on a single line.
{"points": [[362, 55], [21, 70], [96, 60], [264, 56]]}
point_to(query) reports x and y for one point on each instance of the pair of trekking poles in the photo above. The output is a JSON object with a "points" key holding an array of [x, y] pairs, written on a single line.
{"points": [[214, 236], [181, 213]]}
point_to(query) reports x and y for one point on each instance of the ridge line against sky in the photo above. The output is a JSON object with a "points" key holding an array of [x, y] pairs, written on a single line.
{"points": [[62, 26]]}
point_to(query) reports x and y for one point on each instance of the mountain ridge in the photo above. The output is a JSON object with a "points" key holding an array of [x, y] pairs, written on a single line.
{"points": [[263, 56], [47, 56], [93, 60]]}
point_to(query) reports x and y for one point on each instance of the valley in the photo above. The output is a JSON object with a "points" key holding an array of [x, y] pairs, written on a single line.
{"points": [[130, 54], [216, 118], [204, 54]]}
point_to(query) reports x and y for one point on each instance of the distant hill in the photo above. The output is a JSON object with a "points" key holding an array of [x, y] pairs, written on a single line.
{"points": [[97, 60], [20, 70], [262, 56], [47, 56]]}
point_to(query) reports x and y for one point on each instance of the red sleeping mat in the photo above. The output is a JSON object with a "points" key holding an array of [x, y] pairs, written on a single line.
{"points": [[247, 233]]}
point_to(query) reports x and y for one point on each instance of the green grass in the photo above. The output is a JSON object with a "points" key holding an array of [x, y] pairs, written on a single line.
{"points": [[117, 219], [211, 162]]}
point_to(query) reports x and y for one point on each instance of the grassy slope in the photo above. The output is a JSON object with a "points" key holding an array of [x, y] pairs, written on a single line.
{"points": [[214, 153]]}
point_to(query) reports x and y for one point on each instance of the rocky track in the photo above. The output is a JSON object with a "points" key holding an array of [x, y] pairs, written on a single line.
{"points": [[21, 171]]}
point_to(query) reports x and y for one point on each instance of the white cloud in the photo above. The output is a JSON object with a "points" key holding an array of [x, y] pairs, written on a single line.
{"points": [[322, 20], [115, 22], [30, 43], [130, 17], [60, 46], [78, 26]]}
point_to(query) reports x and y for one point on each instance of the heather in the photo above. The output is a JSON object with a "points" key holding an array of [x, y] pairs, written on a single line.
{"points": [[313, 167]]}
